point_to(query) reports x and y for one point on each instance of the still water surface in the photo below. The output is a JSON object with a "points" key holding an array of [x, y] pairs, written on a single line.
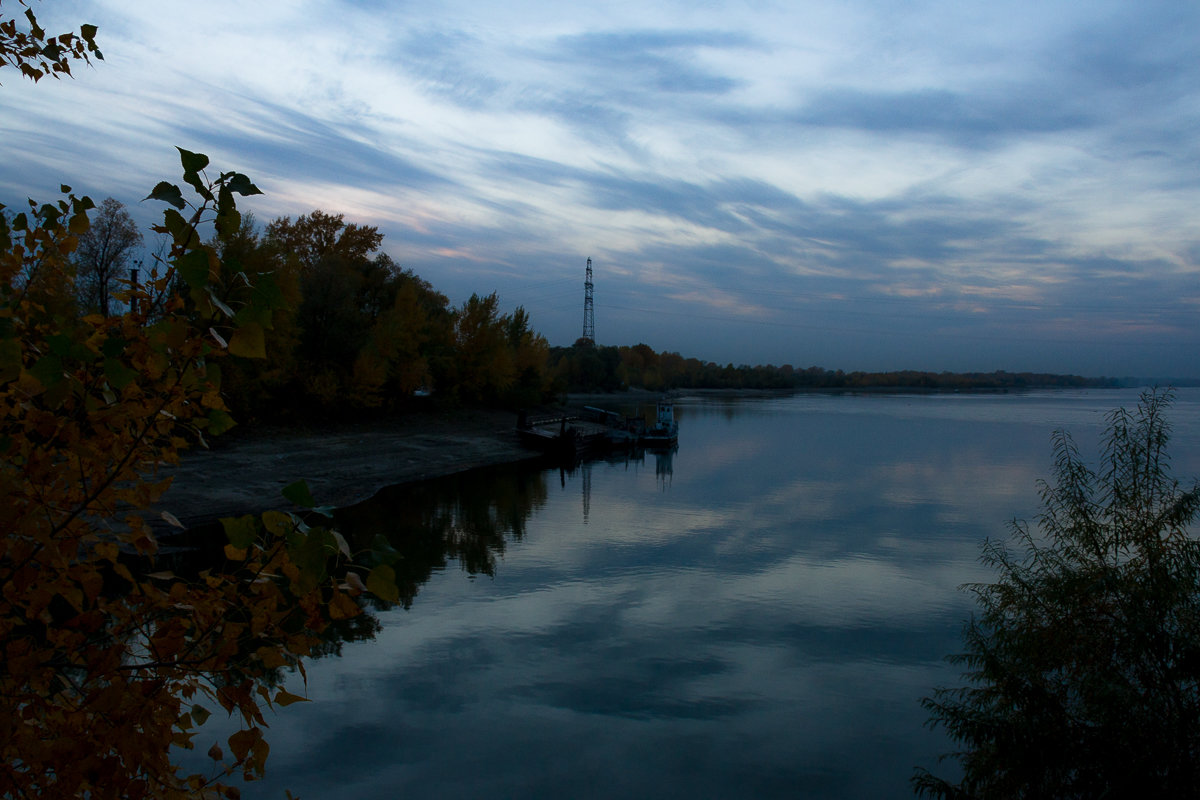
{"points": [[755, 615]]}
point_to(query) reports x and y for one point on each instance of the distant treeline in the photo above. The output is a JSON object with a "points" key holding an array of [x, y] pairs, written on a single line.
{"points": [[353, 332], [585, 367], [350, 332]]}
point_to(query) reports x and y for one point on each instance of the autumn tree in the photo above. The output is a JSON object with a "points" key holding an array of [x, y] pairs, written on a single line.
{"points": [[312, 237], [107, 662], [530, 358], [484, 365], [103, 255], [1082, 665], [253, 276]]}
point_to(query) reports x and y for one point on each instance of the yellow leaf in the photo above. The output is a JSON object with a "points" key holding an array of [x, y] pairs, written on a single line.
{"points": [[342, 606], [271, 657], [286, 698], [248, 341], [92, 583], [241, 742], [108, 551]]}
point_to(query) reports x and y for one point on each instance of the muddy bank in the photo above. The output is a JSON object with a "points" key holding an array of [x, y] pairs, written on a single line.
{"points": [[244, 473]]}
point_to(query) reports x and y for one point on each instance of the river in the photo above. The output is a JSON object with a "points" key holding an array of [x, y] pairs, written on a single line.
{"points": [[756, 614]]}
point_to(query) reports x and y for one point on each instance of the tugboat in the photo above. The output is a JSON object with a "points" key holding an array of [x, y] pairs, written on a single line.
{"points": [[665, 432]]}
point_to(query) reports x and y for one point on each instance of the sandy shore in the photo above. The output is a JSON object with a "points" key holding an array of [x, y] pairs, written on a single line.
{"points": [[245, 472]]}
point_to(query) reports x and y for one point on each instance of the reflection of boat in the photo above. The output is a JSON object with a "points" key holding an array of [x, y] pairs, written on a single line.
{"points": [[665, 431]]}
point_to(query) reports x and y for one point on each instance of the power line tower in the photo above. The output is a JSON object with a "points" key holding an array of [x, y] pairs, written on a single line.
{"points": [[589, 318]]}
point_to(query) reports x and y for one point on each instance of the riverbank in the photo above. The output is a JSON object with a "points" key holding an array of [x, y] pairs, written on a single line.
{"points": [[245, 472]]}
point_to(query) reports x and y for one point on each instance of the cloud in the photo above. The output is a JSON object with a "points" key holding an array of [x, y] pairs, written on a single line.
{"points": [[873, 180]]}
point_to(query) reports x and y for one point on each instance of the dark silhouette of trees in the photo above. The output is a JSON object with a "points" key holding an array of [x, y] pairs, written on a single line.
{"points": [[587, 367], [104, 255], [1083, 664]]}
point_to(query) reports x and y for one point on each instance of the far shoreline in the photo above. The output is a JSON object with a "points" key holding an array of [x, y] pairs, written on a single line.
{"points": [[346, 463]]}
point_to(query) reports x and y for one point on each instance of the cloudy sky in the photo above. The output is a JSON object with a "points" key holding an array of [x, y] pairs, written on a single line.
{"points": [[856, 185]]}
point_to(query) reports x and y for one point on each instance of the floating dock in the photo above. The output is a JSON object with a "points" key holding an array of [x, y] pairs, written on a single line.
{"points": [[595, 430]]}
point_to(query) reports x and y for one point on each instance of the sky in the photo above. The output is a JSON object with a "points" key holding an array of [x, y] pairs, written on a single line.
{"points": [[861, 185]]}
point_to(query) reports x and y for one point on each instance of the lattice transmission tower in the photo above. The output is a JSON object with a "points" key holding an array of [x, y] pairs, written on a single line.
{"points": [[589, 317]]}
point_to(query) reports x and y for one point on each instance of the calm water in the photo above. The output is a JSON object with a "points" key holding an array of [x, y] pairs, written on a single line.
{"points": [[756, 615]]}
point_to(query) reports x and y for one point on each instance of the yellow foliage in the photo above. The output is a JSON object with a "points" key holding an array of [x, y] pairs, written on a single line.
{"points": [[106, 663]]}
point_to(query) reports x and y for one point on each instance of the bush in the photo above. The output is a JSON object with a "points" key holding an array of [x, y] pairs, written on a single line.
{"points": [[1083, 664]]}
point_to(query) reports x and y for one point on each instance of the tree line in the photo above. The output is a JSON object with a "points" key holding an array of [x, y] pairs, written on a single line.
{"points": [[353, 332], [586, 367], [350, 330]]}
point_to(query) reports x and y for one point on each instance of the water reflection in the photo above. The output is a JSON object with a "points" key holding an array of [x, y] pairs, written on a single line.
{"points": [[467, 518], [760, 622]]}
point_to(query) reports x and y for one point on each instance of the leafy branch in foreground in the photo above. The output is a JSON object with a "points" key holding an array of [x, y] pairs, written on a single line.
{"points": [[107, 660], [36, 55], [1083, 664]]}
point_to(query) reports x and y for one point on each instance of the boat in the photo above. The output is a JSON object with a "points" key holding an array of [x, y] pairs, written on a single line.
{"points": [[665, 431]]}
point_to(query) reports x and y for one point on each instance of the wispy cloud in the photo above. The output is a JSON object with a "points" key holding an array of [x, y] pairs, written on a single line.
{"points": [[862, 185]]}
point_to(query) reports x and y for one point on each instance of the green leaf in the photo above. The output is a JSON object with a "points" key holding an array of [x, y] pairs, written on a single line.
{"points": [[241, 184], [168, 193], [240, 531], [299, 494], [48, 370], [219, 422], [311, 553], [113, 346], [117, 374], [212, 374], [10, 360], [192, 162], [253, 313], [383, 551], [382, 583], [248, 341], [228, 217], [193, 266], [177, 226], [193, 180], [278, 523], [49, 215], [59, 344]]}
